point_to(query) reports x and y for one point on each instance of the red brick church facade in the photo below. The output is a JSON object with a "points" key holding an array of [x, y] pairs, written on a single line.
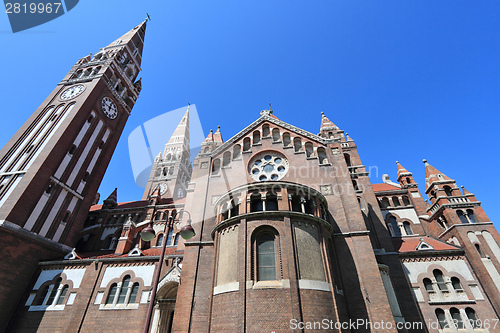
{"points": [[291, 235]]}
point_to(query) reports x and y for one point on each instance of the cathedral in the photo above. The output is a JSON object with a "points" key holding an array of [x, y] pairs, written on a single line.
{"points": [[276, 229]]}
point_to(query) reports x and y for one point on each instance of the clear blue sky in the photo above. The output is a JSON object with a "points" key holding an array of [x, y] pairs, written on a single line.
{"points": [[406, 79]]}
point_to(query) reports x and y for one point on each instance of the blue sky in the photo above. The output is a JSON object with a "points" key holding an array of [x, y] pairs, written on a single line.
{"points": [[406, 79]]}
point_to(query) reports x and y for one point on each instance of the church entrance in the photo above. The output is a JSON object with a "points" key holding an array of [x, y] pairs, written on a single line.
{"points": [[164, 308]]}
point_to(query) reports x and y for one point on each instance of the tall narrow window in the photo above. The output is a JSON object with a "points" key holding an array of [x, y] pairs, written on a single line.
{"points": [[266, 257], [256, 137], [246, 144], [470, 216], [395, 202], [297, 144], [276, 135], [393, 227], [265, 131], [42, 295], [441, 319], [309, 149], [347, 158], [478, 248], [64, 291], [133, 293], [457, 318], [226, 159], [286, 140], [438, 275], [236, 151], [271, 201], [296, 206], [159, 241], [322, 155], [123, 290], [112, 294], [471, 316], [256, 203], [216, 167], [407, 228], [428, 285], [447, 190], [455, 282], [176, 240], [384, 202], [406, 201], [462, 217], [53, 293], [169, 237]]}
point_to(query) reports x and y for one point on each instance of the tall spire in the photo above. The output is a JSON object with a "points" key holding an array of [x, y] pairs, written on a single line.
{"points": [[329, 130], [217, 135], [134, 39], [327, 124], [432, 174]]}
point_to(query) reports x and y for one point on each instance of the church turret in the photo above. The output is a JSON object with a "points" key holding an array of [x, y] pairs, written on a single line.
{"points": [[111, 201], [328, 129], [171, 171]]}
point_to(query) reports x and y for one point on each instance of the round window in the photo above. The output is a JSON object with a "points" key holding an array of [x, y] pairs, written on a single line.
{"points": [[268, 165]]}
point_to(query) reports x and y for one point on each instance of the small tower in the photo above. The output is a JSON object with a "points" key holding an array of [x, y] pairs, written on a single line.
{"points": [[171, 170], [328, 129]]}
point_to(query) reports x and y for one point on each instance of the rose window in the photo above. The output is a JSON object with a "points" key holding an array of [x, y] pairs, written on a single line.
{"points": [[268, 166]]}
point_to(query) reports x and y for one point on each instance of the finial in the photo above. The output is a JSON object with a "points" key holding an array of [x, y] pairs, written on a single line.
{"points": [[397, 162], [424, 160], [270, 109], [462, 186], [148, 18], [218, 128], [322, 113], [211, 131], [189, 104]]}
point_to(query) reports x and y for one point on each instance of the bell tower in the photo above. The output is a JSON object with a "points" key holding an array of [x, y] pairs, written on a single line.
{"points": [[51, 168], [171, 170]]}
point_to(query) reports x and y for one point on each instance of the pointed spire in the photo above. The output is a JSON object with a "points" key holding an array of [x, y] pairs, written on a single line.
{"points": [[432, 174], [218, 136], [156, 193], [401, 169], [182, 129], [134, 39], [348, 138], [210, 137], [327, 124], [464, 190], [111, 201]]}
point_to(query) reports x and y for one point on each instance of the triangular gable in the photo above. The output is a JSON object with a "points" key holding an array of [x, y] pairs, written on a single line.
{"points": [[72, 255], [266, 117], [173, 275], [423, 246], [136, 252]]}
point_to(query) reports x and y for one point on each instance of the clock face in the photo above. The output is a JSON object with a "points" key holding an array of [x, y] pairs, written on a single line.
{"points": [[163, 188], [72, 92], [109, 108]]}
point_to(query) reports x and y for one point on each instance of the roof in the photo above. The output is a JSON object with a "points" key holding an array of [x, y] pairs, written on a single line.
{"points": [[410, 244], [139, 204], [154, 251], [384, 187]]}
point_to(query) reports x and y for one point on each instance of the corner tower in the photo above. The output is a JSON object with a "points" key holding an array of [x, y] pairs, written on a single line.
{"points": [[51, 168]]}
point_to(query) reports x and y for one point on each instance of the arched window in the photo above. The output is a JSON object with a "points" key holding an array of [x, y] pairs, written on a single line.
{"points": [[123, 290], [406, 201], [158, 172], [347, 158], [271, 201], [441, 319], [158, 216], [165, 171], [309, 149], [395, 202], [171, 170], [322, 155], [455, 282], [256, 203], [471, 316], [256, 137], [169, 236], [276, 135], [384, 202], [216, 166], [457, 318], [297, 144], [235, 207], [265, 131], [355, 185], [428, 285], [296, 206], [393, 227], [478, 248], [41, 296], [236, 151], [447, 190], [286, 140], [408, 180], [112, 293], [407, 228], [226, 159], [462, 217], [159, 240], [266, 257], [470, 216], [62, 295], [206, 150], [133, 293], [438, 275], [246, 144]]}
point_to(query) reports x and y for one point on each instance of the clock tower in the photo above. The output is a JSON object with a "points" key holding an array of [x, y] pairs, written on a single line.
{"points": [[51, 168]]}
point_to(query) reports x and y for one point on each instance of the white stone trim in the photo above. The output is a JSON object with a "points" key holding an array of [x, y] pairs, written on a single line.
{"points": [[314, 285], [225, 288]]}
